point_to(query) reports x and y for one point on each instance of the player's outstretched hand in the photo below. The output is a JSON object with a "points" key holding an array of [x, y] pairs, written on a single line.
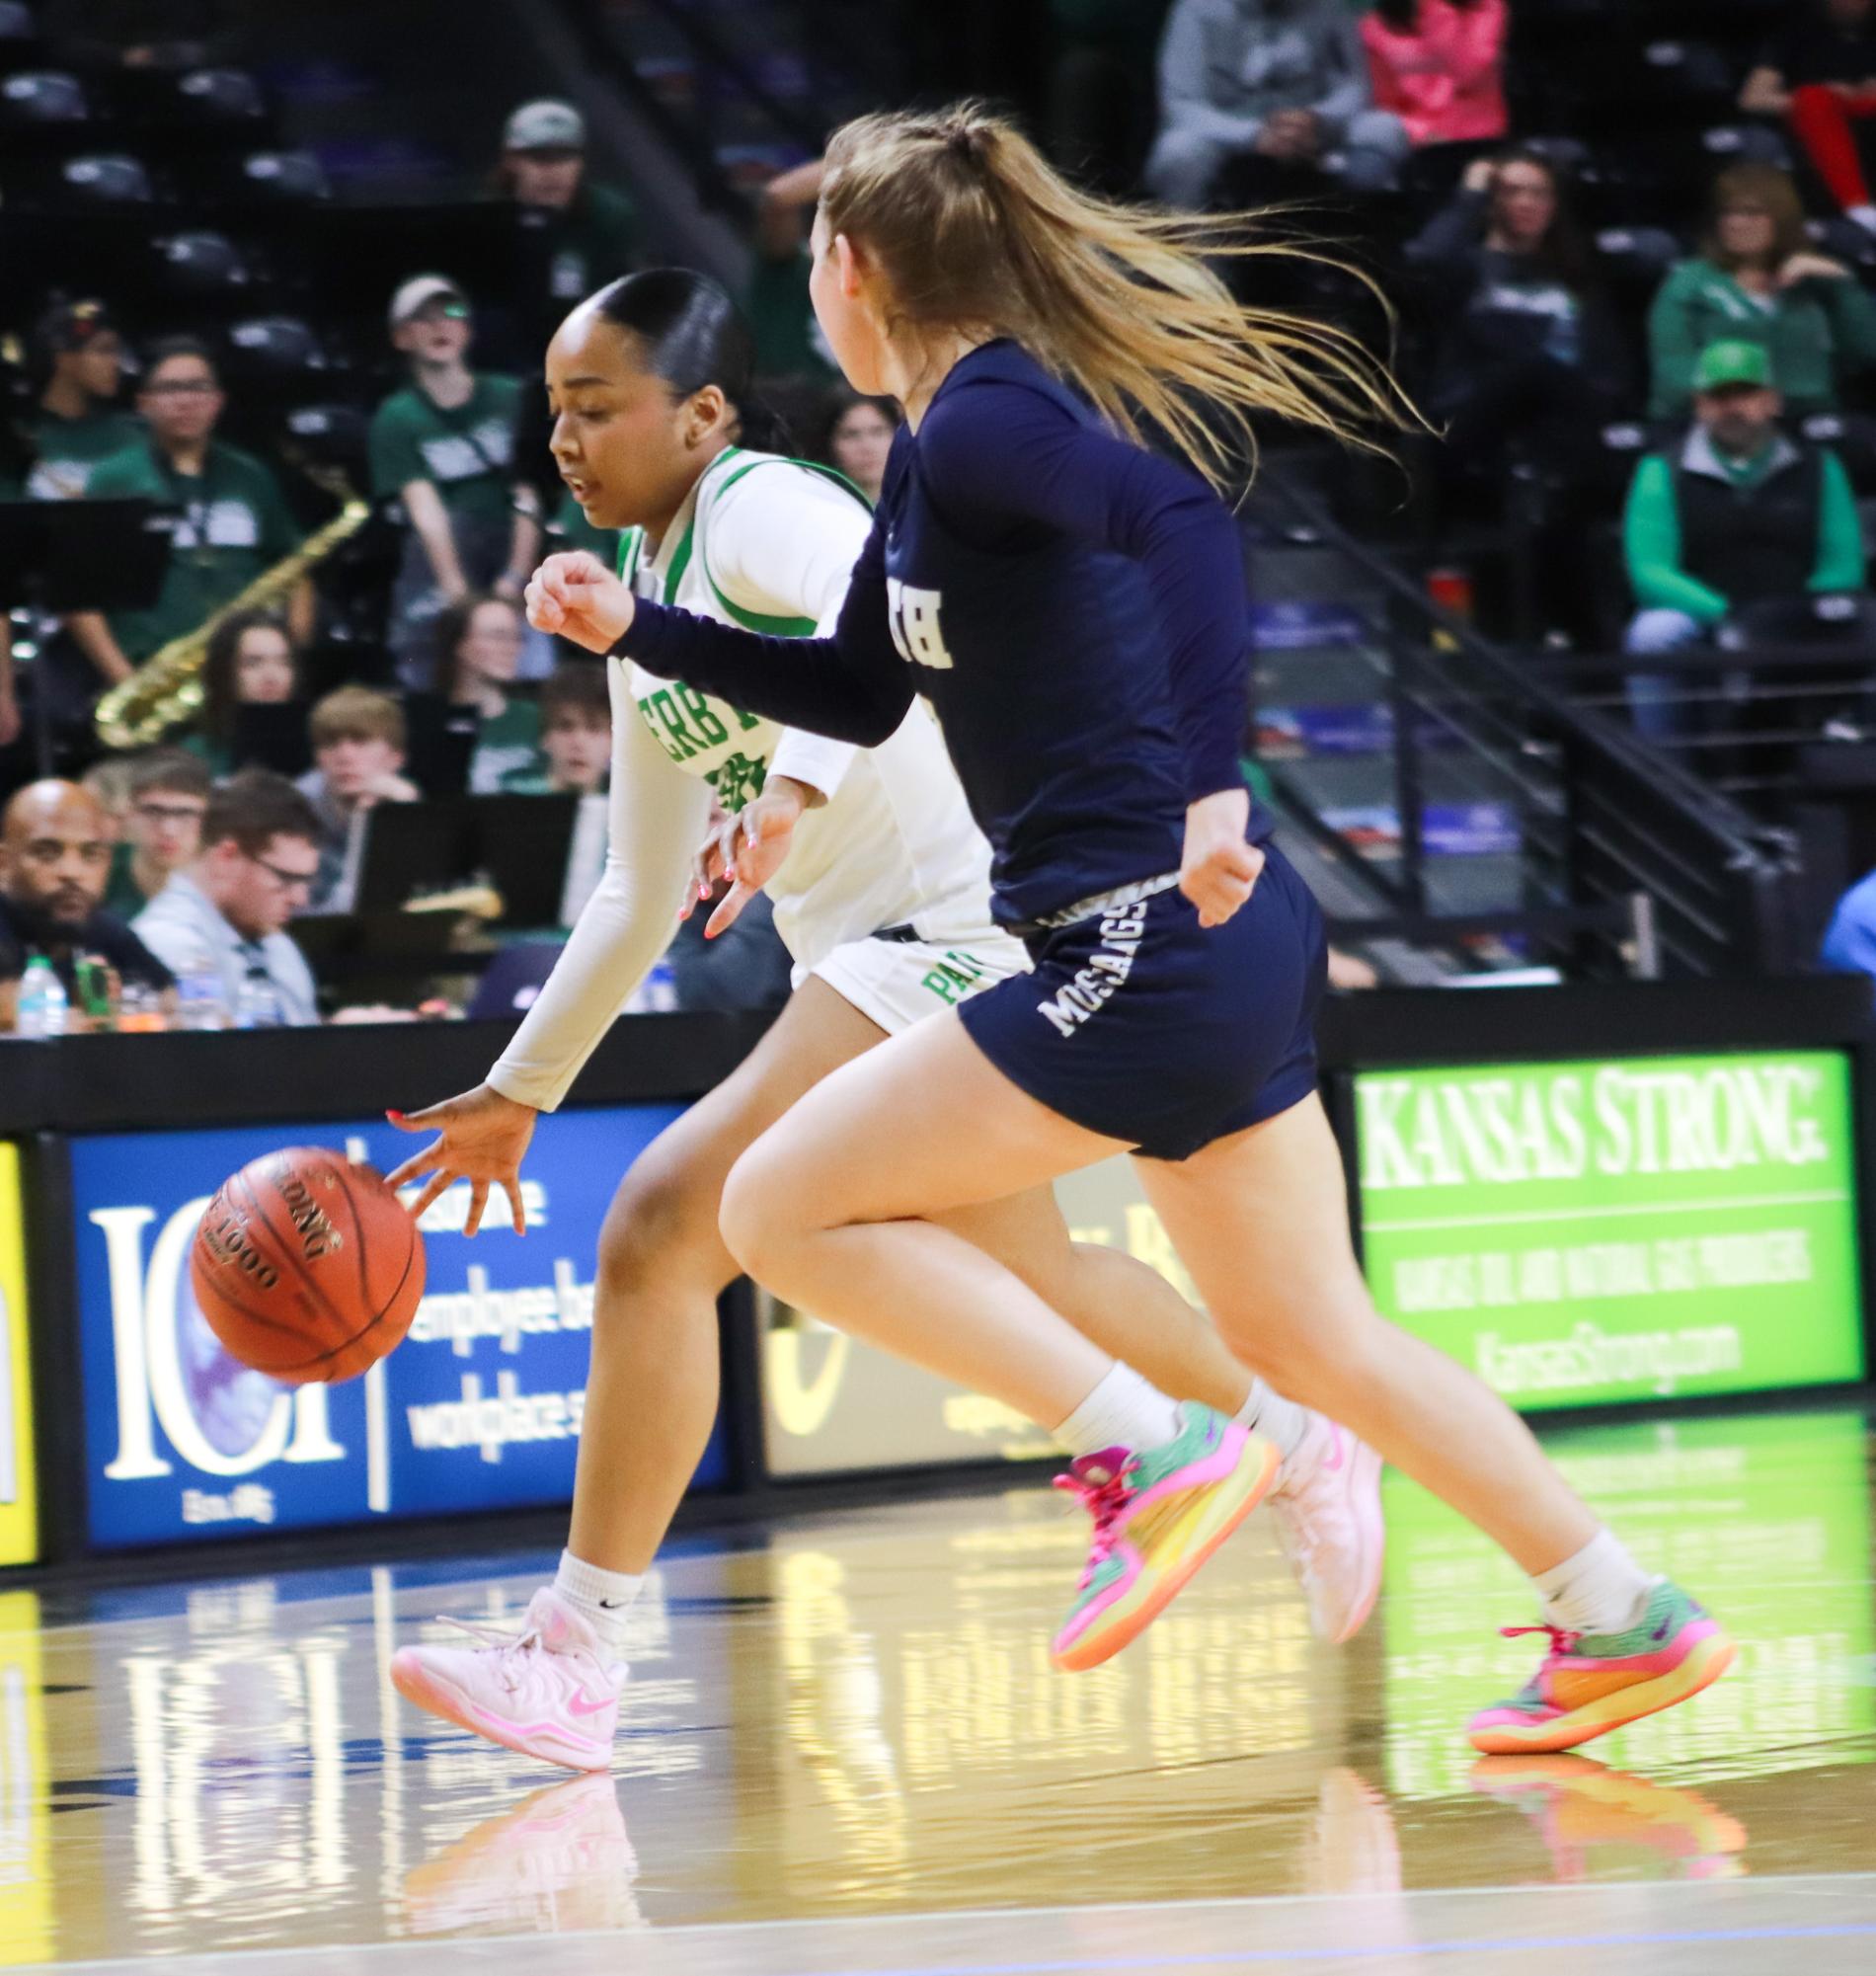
{"points": [[752, 846], [482, 1138], [575, 596], [1218, 868]]}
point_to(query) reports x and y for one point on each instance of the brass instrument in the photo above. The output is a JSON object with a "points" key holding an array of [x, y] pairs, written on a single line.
{"points": [[166, 688]]}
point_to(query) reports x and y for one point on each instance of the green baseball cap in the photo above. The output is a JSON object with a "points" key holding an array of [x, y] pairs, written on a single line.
{"points": [[1734, 362]]}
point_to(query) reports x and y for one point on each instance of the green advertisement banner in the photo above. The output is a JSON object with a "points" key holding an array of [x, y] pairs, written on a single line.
{"points": [[1582, 1233]]}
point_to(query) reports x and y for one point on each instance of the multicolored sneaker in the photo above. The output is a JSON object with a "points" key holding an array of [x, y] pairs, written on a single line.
{"points": [[1591, 1683], [1327, 1503], [1158, 1514], [547, 1692]]}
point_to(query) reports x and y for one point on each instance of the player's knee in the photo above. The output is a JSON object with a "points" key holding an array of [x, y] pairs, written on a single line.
{"points": [[755, 1218], [660, 1232]]}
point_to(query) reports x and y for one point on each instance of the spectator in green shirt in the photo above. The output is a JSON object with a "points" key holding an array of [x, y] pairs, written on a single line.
{"points": [[444, 446], [1756, 280], [591, 230], [161, 828], [788, 338], [77, 422], [478, 657], [1736, 523], [232, 524]]}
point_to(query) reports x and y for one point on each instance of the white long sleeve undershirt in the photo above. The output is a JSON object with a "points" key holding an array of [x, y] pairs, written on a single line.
{"points": [[657, 820]]}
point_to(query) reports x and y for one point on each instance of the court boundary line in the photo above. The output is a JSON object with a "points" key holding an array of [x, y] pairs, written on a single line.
{"points": [[1231, 1904]]}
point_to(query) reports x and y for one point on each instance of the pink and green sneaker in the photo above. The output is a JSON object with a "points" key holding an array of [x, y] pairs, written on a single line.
{"points": [[1591, 1683], [1158, 1514]]}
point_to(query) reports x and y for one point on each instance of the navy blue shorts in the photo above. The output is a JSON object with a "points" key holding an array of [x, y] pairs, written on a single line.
{"points": [[1142, 1025]]}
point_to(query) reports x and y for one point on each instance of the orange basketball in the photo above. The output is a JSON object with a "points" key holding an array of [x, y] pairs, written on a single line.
{"points": [[307, 1267]]}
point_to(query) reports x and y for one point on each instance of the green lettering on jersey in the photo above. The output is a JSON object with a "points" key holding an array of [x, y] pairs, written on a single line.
{"points": [[661, 710], [698, 708], [738, 781]]}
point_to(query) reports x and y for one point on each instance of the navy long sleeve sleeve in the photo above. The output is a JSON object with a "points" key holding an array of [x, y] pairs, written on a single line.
{"points": [[853, 685], [999, 455]]}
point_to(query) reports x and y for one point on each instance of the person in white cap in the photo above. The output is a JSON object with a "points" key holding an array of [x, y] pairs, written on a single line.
{"points": [[444, 446], [592, 231]]}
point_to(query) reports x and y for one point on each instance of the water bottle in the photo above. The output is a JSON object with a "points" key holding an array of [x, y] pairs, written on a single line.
{"points": [[198, 1000], [259, 1004], [43, 1007], [657, 993]]}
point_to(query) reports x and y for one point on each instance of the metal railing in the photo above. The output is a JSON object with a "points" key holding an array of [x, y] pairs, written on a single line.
{"points": [[1611, 857]]}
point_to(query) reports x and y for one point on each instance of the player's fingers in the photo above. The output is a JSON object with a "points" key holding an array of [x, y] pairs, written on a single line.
{"points": [[417, 1162], [478, 1200], [1242, 860], [431, 1115], [437, 1187], [518, 1212], [730, 910]]}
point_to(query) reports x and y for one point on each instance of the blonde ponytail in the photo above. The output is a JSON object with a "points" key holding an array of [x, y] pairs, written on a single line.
{"points": [[971, 229]]}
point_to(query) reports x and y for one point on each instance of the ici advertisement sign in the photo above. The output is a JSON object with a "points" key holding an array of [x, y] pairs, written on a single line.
{"points": [[479, 1408]]}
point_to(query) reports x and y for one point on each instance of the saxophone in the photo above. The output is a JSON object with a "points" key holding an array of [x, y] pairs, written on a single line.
{"points": [[166, 688]]}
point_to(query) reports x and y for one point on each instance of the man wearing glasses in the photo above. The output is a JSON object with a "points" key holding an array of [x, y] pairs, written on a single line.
{"points": [[226, 912], [231, 520]]}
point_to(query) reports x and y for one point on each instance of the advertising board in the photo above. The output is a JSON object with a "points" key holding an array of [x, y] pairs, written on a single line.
{"points": [[479, 1408]]}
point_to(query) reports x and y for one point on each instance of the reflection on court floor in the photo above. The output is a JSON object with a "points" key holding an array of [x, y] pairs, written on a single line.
{"points": [[847, 1725]]}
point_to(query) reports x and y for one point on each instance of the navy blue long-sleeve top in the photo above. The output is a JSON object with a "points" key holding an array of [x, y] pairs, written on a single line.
{"points": [[1071, 606]]}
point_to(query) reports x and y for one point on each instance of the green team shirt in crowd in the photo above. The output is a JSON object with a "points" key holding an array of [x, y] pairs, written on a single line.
{"points": [[466, 450], [1651, 536], [781, 316], [232, 524], [123, 895], [571, 530], [595, 240], [507, 744], [67, 451]]}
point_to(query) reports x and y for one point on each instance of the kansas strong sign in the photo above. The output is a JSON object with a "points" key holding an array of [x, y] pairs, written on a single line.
{"points": [[1592, 1232]]}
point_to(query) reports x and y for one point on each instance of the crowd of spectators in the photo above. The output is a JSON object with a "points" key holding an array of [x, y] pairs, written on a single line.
{"points": [[1716, 319], [1642, 333], [405, 676]]}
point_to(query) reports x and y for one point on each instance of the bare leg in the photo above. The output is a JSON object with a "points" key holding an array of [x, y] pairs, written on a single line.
{"points": [[651, 1392], [1125, 1307], [653, 1389], [1304, 1320], [820, 1211]]}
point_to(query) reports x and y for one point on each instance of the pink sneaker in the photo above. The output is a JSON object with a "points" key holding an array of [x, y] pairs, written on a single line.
{"points": [[546, 1691], [1328, 1508]]}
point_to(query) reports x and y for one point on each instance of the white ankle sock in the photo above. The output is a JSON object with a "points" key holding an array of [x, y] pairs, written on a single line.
{"points": [[602, 1598], [1600, 1590], [1864, 216], [1123, 1411], [1274, 1417]]}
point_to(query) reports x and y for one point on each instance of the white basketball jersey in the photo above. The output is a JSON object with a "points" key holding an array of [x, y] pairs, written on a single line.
{"points": [[768, 543]]}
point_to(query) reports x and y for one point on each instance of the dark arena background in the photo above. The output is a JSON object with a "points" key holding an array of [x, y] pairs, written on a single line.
{"points": [[1564, 704]]}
